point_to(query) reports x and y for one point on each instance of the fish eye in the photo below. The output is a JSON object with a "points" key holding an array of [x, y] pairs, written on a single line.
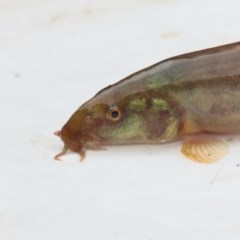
{"points": [[113, 114]]}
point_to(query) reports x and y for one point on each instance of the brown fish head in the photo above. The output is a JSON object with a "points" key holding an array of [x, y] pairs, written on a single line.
{"points": [[101, 122], [114, 119]]}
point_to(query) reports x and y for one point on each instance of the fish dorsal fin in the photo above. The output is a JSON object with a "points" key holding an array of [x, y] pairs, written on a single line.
{"points": [[204, 149]]}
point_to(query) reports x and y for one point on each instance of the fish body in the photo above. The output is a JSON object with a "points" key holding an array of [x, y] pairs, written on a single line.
{"points": [[193, 94]]}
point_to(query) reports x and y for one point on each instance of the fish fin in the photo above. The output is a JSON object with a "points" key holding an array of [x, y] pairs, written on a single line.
{"points": [[204, 149]]}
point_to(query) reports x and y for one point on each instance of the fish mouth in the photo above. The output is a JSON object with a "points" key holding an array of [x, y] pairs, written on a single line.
{"points": [[81, 151], [70, 145], [80, 145]]}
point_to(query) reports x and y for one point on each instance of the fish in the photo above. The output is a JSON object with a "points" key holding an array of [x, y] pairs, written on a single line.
{"points": [[192, 98]]}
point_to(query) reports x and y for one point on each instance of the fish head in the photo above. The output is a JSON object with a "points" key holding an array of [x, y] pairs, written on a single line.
{"points": [[104, 121], [108, 119]]}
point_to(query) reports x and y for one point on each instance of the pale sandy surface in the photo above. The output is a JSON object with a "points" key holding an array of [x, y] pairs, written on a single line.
{"points": [[55, 55]]}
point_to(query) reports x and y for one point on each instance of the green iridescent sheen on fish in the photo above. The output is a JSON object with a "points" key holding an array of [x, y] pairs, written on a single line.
{"points": [[184, 97]]}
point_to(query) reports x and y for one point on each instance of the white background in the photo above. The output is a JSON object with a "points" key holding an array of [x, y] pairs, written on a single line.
{"points": [[55, 55]]}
